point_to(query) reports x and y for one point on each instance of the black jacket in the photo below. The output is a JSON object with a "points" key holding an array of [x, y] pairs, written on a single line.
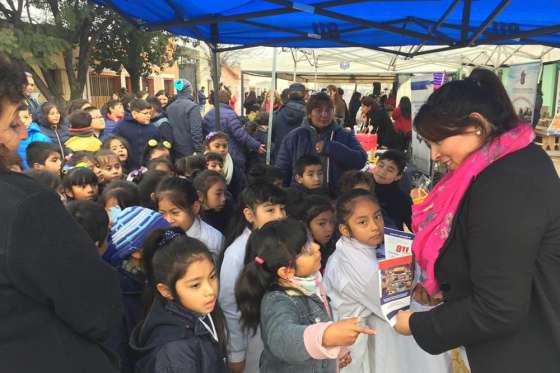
{"points": [[173, 340], [186, 123], [59, 301], [499, 271], [396, 203], [137, 136], [287, 118]]}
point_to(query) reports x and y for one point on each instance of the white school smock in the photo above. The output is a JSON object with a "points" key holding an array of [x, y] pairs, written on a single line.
{"points": [[242, 346], [208, 235], [351, 282]]}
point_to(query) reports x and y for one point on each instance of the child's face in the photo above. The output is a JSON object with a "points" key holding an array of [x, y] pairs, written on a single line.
{"points": [[53, 164], [111, 171], [216, 196], [365, 224], [309, 261], [117, 111], [386, 172], [219, 146], [175, 215], [163, 168], [143, 116], [198, 288], [97, 121], [84, 192], [322, 227], [158, 153], [215, 166], [119, 149], [265, 213], [53, 117], [25, 118], [312, 177]]}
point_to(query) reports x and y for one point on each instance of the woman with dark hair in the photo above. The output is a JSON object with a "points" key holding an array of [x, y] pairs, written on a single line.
{"points": [[376, 120], [403, 121], [59, 301], [354, 106], [321, 135], [488, 236]]}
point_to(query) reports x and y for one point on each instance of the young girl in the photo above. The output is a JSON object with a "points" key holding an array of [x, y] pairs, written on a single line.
{"points": [[52, 125], [161, 164], [80, 183], [317, 212], [177, 200], [109, 165], [156, 149], [190, 166], [218, 142], [352, 280], [280, 290], [258, 205], [216, 208], [120, 147], [184, 330]]}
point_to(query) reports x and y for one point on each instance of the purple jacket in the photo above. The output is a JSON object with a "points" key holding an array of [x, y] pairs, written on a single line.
{"points": [[239, 140]]}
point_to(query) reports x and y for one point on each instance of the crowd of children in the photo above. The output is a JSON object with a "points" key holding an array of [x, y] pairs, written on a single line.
{"points": [[221, 269]]}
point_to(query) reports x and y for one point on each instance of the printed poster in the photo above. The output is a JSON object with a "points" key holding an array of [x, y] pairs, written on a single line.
{"points": [[396, 243], [396, 277], [522, 89], [421, 87]]}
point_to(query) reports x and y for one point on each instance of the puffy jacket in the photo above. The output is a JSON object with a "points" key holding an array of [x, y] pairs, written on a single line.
{"points": [[239, 139], [109, 128], [341, 150], [57, 134], [174, 340], [34, 134], [137, 136], [186, 124], [287, 118]]}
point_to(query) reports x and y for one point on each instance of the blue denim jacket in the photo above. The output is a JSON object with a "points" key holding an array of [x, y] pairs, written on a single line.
{"points": [[283, 321]]}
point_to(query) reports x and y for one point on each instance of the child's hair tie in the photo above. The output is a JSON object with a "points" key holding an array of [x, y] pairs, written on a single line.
{"points": [[210, 135], [168, 236], [259, 260]]}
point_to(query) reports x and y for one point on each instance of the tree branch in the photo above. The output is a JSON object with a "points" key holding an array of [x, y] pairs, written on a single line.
{"points": [[7, 13]]}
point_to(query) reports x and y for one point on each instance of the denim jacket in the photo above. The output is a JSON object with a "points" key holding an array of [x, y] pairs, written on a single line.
{"points": [[284, 319]]}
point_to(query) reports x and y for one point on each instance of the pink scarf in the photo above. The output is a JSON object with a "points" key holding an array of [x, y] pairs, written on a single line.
{"points": [[432, 219]]}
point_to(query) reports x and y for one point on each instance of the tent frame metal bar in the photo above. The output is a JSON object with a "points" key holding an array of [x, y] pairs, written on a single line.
{"points": [[216, 72], [466, 19], [442, 19], [495, 13]]}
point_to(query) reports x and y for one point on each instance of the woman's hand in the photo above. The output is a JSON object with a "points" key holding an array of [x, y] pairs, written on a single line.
{"points": [[319, 146], [421, 296], [403, 322], [344, 333], [345, 360]]}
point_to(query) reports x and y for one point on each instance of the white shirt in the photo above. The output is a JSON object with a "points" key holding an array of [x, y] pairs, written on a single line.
{"points": [[208, 235]]}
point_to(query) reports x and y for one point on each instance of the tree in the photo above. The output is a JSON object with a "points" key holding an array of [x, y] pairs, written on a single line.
{"points": [[140, 52], [66, 27]]}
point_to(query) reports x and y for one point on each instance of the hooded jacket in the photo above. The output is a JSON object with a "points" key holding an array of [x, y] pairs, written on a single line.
{"points": [[186, 125], [341, 151], [57, 134], [287, 118], [137, 136], [173, 340], [34, 134]]}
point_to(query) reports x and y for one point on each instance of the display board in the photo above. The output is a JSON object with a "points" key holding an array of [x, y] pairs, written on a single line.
{"points": [[421, 87], [522, 89]]}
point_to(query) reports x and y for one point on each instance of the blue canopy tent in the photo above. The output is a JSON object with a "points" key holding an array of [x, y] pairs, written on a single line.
{"points": [[372, 24]]}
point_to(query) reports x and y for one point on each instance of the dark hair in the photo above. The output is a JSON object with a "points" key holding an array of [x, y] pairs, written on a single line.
{"points": [[38, 152], [261, 118], [13, 159], [190, 166], [139, 105], [22, 106], [397, 157], [277, 244], [104, 156], [406, 107], [166, 261], [92, 217], [140, 94], [224, 96], [206, 179], [108, 140], [78, 157], [351, 178], [12, 81], [304, 161], [369, 102], [79, 119], [79, 176], [109, 106], [152, 164], [149, 150], [126, 193], [317, 101], [147, 186], [313, 205], [45, 178], [76, 105], [214, 157], [179, 191], [446, 113], [252, 196], [155, 104], [161, 92], [214, 136], [345, 203], [263, 173], [44, 111]]}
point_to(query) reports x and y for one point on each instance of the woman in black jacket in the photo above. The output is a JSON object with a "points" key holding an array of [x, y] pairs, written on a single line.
{"points": [[58, 301], [488, 237]]}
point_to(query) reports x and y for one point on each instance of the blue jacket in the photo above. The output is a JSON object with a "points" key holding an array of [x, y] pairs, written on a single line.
{"points": [[173, 340], [137, 136], [34, 134], [186, 124], [109, 128], [341, 151], [58, 135], [239, 140], [287, 118]]}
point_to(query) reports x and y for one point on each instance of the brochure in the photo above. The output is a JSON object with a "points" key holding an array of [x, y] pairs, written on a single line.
{"points": [[397, 243]]}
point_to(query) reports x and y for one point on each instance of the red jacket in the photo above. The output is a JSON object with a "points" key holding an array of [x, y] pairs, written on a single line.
{"points": [[402, 124]]}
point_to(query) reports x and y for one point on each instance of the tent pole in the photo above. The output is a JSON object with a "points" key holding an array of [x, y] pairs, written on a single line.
{"points": [[242, 98], [271, 107], [215, 73]]}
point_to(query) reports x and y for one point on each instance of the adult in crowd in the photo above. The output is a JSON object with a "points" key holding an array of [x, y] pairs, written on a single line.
{"points": [[338, 104], [289, 116], [377, 121], [201, 97], [320, 134], [488, 236], [239, 140], [32, 103], [185, 120], [163, 100], [59, 300], [354, 106], [250, 101], [402, 115]]}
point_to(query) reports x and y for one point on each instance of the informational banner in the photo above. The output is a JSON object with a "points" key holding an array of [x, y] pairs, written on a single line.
{"points": [[421, 87], [522, 89], [558, 94]]}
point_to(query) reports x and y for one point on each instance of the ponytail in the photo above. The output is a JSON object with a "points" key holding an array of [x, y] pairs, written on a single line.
{"points": [[277, 244]]}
